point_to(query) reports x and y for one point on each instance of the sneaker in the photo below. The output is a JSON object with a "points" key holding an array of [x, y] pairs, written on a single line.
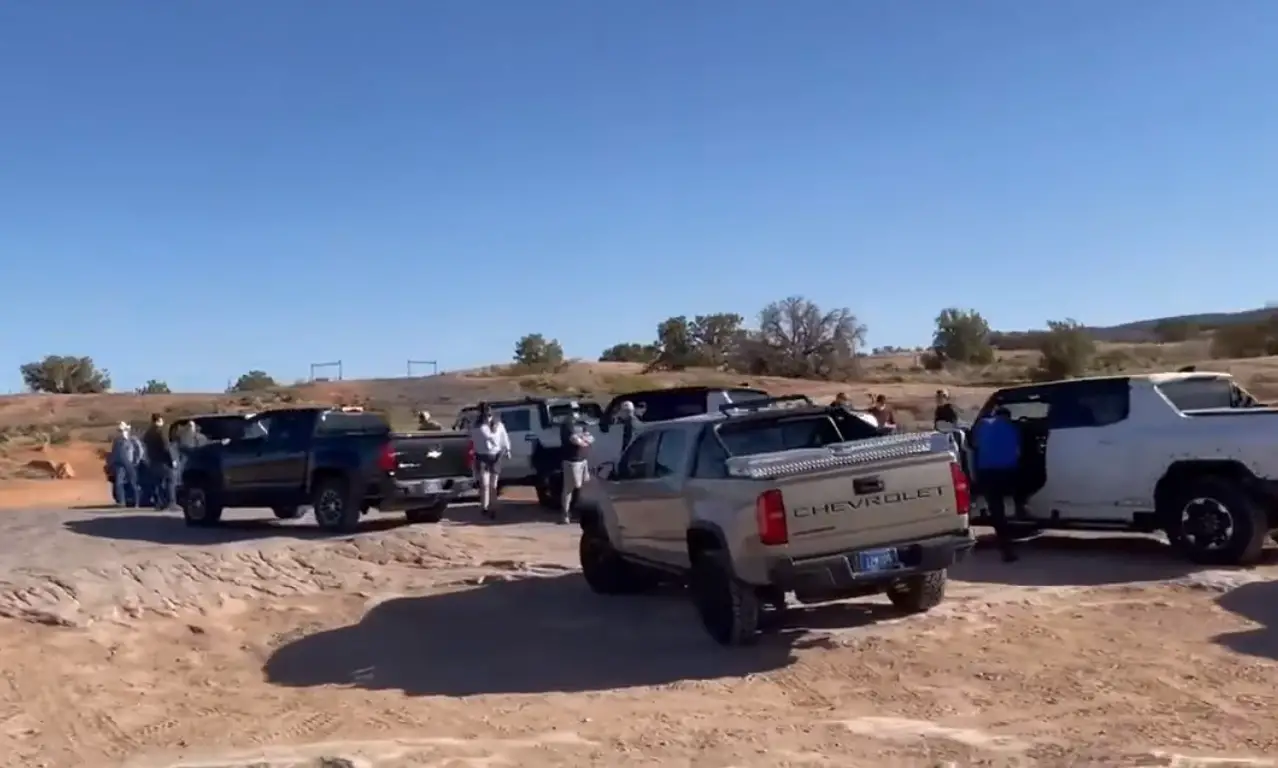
{"points": [[565, 520]]}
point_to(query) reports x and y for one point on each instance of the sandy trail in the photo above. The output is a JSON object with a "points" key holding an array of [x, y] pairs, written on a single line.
{"points": [[133, 641]]}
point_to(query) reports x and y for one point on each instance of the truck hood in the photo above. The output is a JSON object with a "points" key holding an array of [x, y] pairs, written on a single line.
{"points": [[767, 466]]}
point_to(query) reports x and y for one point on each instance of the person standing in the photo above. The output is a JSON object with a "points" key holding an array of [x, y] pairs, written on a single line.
{"points": [[629, 422], [159, 458], [426, 424], [492, 444], [883, 414], [997, 443], [124, 468], [575, 442], [945, 412]]}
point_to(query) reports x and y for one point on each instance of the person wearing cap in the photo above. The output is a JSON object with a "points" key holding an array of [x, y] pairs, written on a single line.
{"points": [[426, 424], [629, 423], [124, 460], [996, 441], [575, 443], [492, 444], [945, 412]]}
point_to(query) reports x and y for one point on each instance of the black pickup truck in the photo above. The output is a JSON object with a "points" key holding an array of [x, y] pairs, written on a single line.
{"points": [[340, 461]]}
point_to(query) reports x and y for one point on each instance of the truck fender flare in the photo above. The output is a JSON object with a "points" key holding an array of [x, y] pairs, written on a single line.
{"points": [[1180, 472], [703, 536]]}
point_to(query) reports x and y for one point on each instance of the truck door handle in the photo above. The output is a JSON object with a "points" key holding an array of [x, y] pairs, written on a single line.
{"points": [[864, 485], [529, 437]]}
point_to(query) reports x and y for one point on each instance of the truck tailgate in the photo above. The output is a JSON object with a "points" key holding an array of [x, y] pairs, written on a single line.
{"points": [[429, 455], [858, 495]]}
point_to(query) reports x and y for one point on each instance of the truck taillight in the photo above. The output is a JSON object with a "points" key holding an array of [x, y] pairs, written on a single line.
{"points": [[386, 459], [470, 455], [962, 489], [769, 512]]}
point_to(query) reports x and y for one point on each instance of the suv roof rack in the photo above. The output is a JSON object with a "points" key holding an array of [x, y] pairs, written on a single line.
{"points": [[752, 406]]}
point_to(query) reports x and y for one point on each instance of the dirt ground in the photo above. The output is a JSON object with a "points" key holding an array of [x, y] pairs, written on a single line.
{"points": [[127, 639]]}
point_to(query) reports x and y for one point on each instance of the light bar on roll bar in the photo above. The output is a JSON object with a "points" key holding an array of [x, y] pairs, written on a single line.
{"points": [[771, 466], [750, 406]]}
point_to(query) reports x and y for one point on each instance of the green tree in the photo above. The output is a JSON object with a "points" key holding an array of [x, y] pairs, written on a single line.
{"points": [[962, 336], [536, 353], [1066, 351], [629, 352], [65, 375], [154, 387], [253, 381], [676, 345], [714, 337], [798, 339]]}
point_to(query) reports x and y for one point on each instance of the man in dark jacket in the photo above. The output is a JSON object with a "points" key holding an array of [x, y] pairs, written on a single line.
{"points": [[159, 459], [945, 412]]}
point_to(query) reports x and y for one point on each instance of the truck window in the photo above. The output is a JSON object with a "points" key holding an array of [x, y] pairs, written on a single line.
{"points": [[516, 419], [670, 453], [331, 422], [747, 438], [637, 463], [1201, 393]]}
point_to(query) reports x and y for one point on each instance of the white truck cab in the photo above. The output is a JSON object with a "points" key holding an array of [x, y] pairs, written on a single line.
{"points": [[1188, 453]]}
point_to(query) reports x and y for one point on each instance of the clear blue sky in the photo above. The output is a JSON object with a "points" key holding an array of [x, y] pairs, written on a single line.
{"points": [[192, 189]]}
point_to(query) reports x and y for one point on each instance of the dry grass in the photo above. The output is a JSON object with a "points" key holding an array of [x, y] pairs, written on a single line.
{"points": [[28, 422]]}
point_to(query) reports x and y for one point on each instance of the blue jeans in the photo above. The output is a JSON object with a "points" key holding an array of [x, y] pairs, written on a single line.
{"points": [[166, 482], [126, 490]]}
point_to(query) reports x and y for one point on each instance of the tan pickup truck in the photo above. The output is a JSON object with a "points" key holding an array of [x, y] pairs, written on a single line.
{"points": [[755, 503]]}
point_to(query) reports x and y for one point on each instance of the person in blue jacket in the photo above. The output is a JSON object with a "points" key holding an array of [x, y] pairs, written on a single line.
{"points": [[996, 441], [125, 456]]}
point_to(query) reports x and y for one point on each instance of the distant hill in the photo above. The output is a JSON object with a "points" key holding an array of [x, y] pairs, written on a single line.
{"points": [[1143, 330]]}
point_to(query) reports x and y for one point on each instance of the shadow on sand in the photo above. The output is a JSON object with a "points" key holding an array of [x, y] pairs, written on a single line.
{"points": [[1083, 560], [1258, 602], [169, 528], [536, 635]]}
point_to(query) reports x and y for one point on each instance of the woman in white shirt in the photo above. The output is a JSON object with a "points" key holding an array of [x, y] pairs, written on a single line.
{"points": [[492, 444]]}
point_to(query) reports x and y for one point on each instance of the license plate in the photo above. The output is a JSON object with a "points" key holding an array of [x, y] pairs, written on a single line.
{"points": [[875, 560], [426, 487]]}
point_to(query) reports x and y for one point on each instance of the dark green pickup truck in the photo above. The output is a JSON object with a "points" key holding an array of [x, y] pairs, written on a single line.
{"points": [[341, 462]]}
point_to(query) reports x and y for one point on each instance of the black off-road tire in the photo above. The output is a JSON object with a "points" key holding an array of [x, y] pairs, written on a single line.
{"points": [[201, 505], [605, 570], [919, 594], [335, 509], [287, 513], [729, 608], [1219, 496], [426, 514]]}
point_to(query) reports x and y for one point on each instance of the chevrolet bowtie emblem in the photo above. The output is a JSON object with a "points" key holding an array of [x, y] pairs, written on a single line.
{"points": [[434, 453]]}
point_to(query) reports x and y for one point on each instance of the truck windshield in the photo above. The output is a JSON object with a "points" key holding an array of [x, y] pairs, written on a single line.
{"points": [[747, 438]]}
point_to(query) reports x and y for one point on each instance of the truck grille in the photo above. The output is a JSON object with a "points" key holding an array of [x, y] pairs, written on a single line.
{"points": [[770, 466]]}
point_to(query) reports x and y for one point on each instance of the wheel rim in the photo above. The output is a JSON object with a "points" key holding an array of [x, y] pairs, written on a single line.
{"points": [[1207, 524], [329, 507], [196, 509]]}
